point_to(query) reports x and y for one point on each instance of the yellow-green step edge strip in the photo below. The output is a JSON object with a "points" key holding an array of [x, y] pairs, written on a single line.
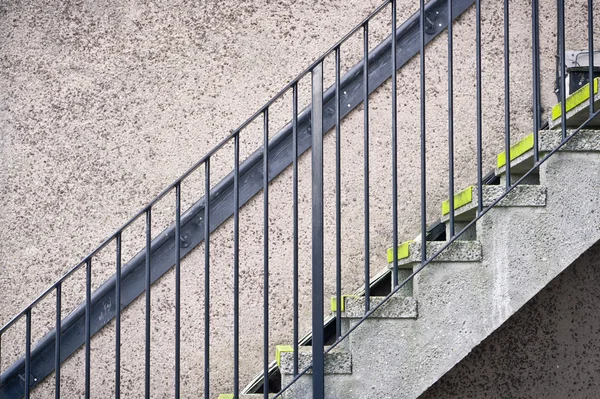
{"points": [[516, 150], [403, 252], [279, 349], [226, 396], [460, 199], [575, 99]]}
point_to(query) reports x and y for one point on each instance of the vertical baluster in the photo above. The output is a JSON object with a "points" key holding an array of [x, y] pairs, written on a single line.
{"points": [[1, 360], [295, 217], [479, 108], [57, 341], [148, 281], [236, 266], [118, 318], [338, 200], [535, 29], [561, 52], [177, 290], [366, 164], [591, 52], [207, 279], [27, 353], [450, 121], [507, 91], [423, 138], [394, 151], [88, 315], [317, 232], [266, 249]]}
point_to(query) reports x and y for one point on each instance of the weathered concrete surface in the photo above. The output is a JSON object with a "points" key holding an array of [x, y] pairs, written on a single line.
{"points": [[584, 140], [550, 348], [338, 361], [102, 104], [397, 307], [458, 251]]}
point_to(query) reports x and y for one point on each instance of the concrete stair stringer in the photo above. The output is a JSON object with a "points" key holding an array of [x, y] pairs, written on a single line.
{"points": [[461, 303]]}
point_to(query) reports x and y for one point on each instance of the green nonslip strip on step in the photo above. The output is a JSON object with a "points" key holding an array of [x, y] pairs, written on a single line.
{"points": [[403, 252], [516, 150], [579, 97], [279, 349], [460, 199], [226, 396]]}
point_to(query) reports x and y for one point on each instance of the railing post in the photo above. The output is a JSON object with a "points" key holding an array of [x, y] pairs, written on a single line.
{"points": [[317, 233]]}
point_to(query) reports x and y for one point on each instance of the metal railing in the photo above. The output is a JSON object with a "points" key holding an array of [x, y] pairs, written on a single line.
{"points": [[316, 117]]}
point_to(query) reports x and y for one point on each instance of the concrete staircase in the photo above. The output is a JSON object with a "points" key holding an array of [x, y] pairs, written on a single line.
{"points": [[476, 284]]}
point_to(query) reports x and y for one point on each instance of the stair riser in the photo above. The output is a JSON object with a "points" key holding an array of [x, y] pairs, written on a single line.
{"points": [[469, 235]]}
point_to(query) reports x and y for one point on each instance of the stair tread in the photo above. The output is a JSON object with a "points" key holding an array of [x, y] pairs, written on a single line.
{"points": [[521, 195], [521, 153], [458, 251], [577, 108]]}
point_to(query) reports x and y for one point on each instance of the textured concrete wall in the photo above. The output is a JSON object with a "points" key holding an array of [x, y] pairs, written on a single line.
{"points": [[105, 103], [548, 349]]}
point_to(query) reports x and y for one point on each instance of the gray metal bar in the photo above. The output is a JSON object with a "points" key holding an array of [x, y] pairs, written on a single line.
{"points": [[394, 47], [450, 120], [236, 267], [423, 138], [295, 217], [479, 108], [507, 91], [366, 164], [118, 319], [87, 328], [177, 291], [562, 57], [317, 234], [591, 52], [207, 206], [266, 252], [535, 29], [57, 358], [148, 281], [338, 199], [27, 353]]}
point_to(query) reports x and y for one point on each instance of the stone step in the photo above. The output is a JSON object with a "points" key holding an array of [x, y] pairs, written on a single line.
{"points": [[521, 153], [465, 202], [396, 307], [337, 361], [577, 108], [409, 253]]}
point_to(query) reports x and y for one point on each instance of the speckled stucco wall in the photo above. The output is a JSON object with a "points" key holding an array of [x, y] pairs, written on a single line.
{"points": [[549, 349], [104, 103]]}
